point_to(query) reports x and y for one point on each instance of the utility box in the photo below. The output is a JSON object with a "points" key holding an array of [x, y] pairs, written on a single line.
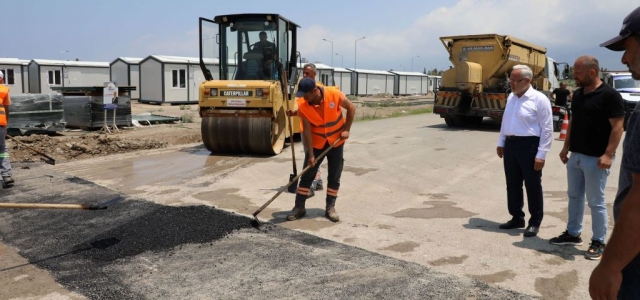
{"points": [[84, 107]]}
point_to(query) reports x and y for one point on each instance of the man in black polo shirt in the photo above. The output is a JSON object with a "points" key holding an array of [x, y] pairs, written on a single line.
{"points": [[594, 133], [561, 95]]}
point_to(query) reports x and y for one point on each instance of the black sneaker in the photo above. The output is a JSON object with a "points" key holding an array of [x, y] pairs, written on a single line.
{"points": [[7, 180], [595, 251], [566, 239]]}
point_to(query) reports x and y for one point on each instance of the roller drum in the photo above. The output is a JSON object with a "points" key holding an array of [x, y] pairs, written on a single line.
{"points": [[244, 133]]}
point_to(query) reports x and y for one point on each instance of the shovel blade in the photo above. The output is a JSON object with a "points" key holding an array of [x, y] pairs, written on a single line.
{"points": [[293, 187]]}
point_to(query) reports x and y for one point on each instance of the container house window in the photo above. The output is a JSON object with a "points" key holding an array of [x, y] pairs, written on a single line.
{"points": [[54, 77], [178, 78], [8, 76]]}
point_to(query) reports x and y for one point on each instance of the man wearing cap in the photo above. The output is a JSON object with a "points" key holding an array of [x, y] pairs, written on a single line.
{"points": [[320, 111], [618, 274], [5, 101], [309, 70]]}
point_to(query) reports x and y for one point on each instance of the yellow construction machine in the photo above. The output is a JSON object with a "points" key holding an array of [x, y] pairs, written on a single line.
{"points": [[478, 84], [243, 101]]}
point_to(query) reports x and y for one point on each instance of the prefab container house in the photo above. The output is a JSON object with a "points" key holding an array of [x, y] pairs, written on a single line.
{"points": [[342, 77], [44, 74], [125, 71], [173, 79], [15, 74], [371, 82], [410, 83], [324, 73]]}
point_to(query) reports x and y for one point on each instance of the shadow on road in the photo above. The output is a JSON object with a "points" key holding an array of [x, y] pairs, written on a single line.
{"points": [[491, 226], [487, 125]]}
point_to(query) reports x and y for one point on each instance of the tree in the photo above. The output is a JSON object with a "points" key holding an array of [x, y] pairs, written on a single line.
{"points": [[425, 71]]}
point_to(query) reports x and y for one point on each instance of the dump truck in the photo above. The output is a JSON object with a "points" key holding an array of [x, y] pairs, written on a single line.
{"points": [[477, 85], [243, 102]]}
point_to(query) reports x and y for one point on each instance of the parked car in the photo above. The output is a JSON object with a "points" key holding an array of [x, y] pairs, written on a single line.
{"points": [[628, 88]]}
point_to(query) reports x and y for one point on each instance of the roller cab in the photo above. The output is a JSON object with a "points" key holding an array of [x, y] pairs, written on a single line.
{"points": [[243, 102]]}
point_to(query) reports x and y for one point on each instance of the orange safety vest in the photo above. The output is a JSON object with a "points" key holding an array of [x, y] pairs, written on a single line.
{"points": [[325, 128], [4, 100], [318, 83]]}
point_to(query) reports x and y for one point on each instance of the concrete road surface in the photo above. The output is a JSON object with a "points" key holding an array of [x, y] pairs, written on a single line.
{"points": [[412, 189]]}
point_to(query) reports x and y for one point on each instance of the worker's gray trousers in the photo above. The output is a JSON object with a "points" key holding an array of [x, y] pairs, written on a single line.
{"points": [[5, 164]]}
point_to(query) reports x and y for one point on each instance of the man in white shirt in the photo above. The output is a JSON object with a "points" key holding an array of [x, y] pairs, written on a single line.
{"points": [[525, 139]]}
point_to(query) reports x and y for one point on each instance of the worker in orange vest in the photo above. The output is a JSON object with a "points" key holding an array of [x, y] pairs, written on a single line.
{"points": [[320, 111], [5, 101], [309, 70]]}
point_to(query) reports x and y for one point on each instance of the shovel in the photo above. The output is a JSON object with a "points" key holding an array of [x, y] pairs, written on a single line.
{"points": [[98, 206], [292, 187], [51, 160], [255, 222]]}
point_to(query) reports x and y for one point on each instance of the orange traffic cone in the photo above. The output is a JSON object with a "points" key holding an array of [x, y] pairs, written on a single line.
{"points": [[565, 125]]}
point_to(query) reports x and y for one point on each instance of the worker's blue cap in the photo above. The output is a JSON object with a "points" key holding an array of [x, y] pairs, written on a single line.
{"points": [[305, 85], [630, 26]]}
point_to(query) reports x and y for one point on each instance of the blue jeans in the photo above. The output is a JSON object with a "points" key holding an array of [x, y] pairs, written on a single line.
{"points": [[584, 177]]}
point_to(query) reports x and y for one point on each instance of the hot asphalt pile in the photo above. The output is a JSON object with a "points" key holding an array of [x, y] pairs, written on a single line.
{"points": [[141, 250]]}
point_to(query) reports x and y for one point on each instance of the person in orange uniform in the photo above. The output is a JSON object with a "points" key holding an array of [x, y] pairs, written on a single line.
{"points": [[5, 163], [320, 111], [309, 70]]}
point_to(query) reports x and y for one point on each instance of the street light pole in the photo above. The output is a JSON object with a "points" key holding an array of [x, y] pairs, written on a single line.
{"points": [[331, 50], [412, 62], [355, 56]]}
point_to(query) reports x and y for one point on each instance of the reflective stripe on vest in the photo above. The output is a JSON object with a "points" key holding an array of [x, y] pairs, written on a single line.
{"points": [[325, 128]]}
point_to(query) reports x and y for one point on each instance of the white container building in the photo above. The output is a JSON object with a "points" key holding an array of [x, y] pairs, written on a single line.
{"points": [[16, 74], [125, 71], [371, 82], [410, 83], [173, 79], [44, 74]]}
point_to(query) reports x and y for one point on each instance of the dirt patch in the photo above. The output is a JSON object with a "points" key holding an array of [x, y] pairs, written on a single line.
{"points": [[80, 144]]}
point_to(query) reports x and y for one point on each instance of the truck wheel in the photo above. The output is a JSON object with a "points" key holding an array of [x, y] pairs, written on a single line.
{"points": [[450, 120]]}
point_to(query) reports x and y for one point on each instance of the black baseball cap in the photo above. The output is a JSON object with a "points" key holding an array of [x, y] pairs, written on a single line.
{"points": [[630, 25], [306, 85]]}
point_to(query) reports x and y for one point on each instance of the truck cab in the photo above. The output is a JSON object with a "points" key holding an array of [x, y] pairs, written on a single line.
{"points": [[628, 88]]}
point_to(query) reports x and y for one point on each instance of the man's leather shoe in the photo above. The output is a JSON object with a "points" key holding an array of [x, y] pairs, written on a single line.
{"points": [[512, 224], [531, 231]]}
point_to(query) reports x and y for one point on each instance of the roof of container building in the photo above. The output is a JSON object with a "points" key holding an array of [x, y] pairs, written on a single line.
{"points": [[343, 70], [13, 61], [363, 71], [130, 60], [186, 59], [402, 73], [71, 63], [319, 66]]}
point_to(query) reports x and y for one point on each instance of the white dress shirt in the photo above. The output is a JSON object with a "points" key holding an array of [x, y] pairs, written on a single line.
{"points": [[529, 115]]}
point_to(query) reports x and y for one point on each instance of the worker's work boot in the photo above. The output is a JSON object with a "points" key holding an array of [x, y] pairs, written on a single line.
{"points": [[296, 213], [7, 180], [331, 214]]}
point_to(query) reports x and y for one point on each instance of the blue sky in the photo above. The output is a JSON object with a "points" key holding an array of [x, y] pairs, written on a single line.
{"points": [[396, 32]]}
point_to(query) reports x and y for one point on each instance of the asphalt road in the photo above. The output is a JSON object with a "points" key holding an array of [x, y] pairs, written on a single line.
{"points": [[142, 250], [417, 200]]}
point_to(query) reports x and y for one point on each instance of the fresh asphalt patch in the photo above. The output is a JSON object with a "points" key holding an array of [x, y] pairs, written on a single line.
{"points": [[141, 250]]}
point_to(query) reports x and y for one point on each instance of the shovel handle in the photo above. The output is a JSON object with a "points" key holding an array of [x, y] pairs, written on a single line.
{"points": [[255, 214], [30, 148]]}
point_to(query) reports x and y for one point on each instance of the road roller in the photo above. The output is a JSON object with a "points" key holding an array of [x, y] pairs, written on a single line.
{"points": [[250, 70]]}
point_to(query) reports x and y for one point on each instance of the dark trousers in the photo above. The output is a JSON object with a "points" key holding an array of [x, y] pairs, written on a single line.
{"points": [[335, 165], [519, 157]]}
